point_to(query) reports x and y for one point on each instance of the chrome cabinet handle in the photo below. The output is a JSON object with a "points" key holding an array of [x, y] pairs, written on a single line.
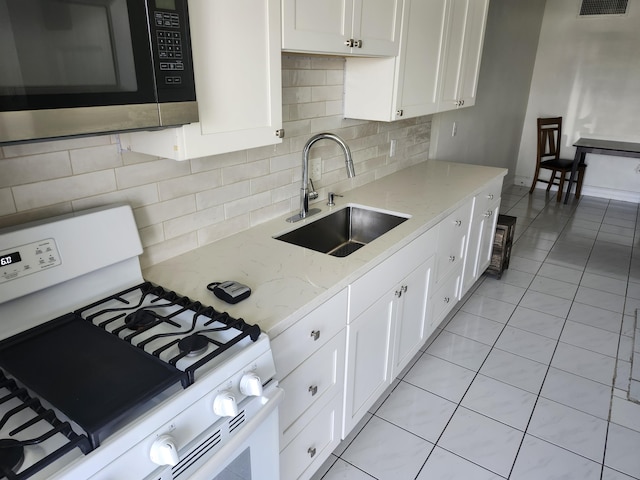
{"points": [[313, 389], [488, 213], [312, 451], [490, 196], [458, 223], [357, 44], [404, 288], [399, 293], [447, 299], [452, 258], [315, 334]]}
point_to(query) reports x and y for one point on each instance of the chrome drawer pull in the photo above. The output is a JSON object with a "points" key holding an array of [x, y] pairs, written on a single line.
{"points": [[490, 196], [315, 334], [458, 223], [313, 389], [446, 299], [312, 452], [452, 258]]}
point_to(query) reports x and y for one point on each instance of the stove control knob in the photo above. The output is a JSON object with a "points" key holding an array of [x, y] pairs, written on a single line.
{"points": [[251, 385], [225, 405], [164, 451]]}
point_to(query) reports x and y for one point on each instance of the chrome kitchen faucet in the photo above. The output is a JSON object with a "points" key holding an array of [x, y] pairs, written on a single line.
{"points": [[305, 194]]}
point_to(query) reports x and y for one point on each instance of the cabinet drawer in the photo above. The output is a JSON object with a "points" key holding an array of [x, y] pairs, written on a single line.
{"points": [[445, 297], [298, 342], [321, 374], [451, 240], [379, 280], [489, 195], [308, 450]]}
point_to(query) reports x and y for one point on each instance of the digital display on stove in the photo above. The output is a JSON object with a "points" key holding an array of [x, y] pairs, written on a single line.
{"points": [[10, 258], [166, 4]]}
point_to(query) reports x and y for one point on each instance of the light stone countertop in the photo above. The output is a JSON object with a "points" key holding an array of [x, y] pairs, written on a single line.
{"points": [[288, 281]]}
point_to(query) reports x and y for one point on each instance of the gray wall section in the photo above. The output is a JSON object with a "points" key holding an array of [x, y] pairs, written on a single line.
{"points": [[489, 132]]}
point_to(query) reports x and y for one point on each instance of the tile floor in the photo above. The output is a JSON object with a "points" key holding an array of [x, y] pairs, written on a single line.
{"points": [[530, 377]]}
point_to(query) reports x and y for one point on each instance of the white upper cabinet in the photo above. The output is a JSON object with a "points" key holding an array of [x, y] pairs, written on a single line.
{"points": [[463, 51], [342, 27], [436, 69], [237, 66]]}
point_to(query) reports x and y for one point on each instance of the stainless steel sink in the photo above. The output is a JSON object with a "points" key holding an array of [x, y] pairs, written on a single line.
{"points": [[343, 231]]}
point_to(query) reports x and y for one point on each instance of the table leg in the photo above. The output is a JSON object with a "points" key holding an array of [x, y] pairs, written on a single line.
{"points": [[578, 159]]}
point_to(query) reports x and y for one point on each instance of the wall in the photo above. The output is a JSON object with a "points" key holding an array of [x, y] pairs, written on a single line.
{"points": [[181, 205], [587, 71], [489, 132]]}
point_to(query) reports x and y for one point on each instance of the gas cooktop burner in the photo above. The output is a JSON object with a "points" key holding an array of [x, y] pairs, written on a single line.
{"points": [[140, 319], [193, 344], [11, 455]]}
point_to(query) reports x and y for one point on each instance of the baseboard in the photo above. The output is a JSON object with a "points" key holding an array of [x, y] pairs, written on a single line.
{"points": [[587, 190]]}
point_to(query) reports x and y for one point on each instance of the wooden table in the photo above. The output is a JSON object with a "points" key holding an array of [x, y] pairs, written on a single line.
{"points": [[599, 147]]}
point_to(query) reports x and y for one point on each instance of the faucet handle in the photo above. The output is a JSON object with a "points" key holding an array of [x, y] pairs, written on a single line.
{"points": [[330, 201], [313, 194]]}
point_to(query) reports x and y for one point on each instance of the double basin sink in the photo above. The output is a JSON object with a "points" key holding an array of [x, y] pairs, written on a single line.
{"points": [[344, 231]]}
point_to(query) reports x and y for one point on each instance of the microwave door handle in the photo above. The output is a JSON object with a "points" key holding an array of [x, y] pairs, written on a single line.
{"points": [[223, 455]]}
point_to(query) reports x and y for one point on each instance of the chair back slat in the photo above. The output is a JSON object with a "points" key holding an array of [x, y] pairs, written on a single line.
{"points": [[549, 137]]}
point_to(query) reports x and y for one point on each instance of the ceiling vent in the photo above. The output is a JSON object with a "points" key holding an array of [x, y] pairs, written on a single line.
{"points": [[590, 8]]}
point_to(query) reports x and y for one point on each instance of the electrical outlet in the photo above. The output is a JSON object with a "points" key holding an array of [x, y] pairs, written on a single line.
{"points": [[392, 148], [454, 129], [315, 168]]}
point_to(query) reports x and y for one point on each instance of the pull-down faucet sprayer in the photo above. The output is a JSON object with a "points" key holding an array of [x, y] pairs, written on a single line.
{"points": [[305, 194]]}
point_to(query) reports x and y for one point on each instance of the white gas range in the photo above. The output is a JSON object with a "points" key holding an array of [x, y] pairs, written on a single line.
{"points": [[105, 376]]}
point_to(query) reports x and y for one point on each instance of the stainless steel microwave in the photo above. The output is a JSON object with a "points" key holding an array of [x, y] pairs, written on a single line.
{"points": [[80, 67]]}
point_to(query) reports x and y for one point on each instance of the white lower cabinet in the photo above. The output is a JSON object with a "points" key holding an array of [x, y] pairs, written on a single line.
{"points": [[486, 206], [310, 366], [384, 337]]}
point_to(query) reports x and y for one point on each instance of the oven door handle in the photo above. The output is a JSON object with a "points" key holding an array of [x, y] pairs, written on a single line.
{"points": [[222, 456]]}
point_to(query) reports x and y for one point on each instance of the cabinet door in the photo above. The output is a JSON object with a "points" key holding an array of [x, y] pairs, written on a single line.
{"points": [[317, 26], [410, 317], [376, 25], [237, 66], [423, 34], [368, 371], [463, 51]]}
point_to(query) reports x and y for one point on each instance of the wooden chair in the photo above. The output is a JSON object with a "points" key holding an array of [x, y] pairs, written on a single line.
{"points": [[548, 157]]}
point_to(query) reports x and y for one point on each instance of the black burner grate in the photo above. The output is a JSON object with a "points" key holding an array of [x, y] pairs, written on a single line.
{"points": [[144, 334]]}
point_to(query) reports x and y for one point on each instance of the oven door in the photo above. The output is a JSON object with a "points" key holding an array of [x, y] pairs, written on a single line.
{"points": [[251, 454]]}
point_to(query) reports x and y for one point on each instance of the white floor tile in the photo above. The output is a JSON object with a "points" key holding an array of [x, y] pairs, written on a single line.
{"points": [[577, 392], [486, 442], [610, 474], [459, 350], [385, 451], [443, 465], [537, 322], [623, 445], [569, 428], [418, 411], [539, 460], [514, 370], [596, 317], [626, 414], [585, 363], [514, 277], [600, 299], [545, 303], [526, 344], [591, 338], [553, 287], [341, 470], [475, 327], [557, 272], [500, 401], [490, 308], [501, 291], [607, 284], [524, 264], [438, 376]]}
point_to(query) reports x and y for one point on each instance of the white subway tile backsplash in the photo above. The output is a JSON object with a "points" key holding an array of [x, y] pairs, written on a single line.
{"points": [[34, 168], [7, 205], [50, 192], [92, 159], [150, 172], [181, 205]]}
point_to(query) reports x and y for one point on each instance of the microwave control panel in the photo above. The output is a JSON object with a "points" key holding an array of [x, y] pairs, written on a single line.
{"points": [[171, 43]]}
